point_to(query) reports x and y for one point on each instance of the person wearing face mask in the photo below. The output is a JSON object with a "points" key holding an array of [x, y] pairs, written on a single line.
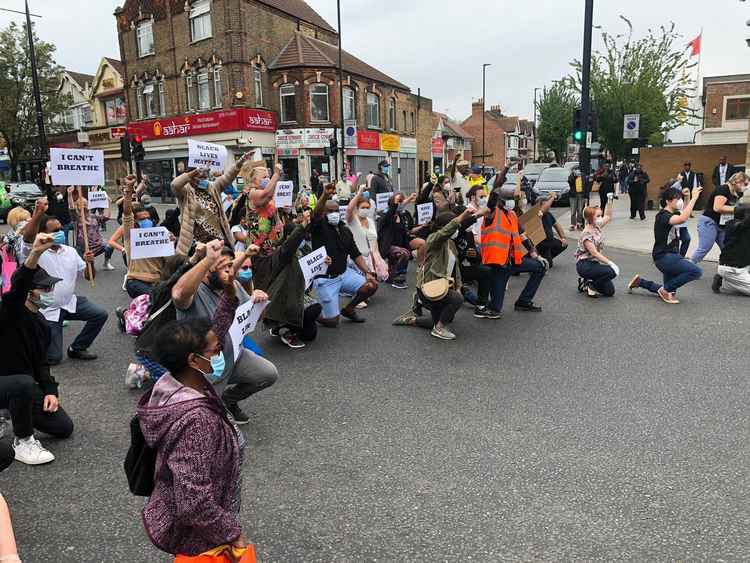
{"points": [[80, 215], [457, 174], [329, 231], [596, 271], [362, 225], [152, 211], [199, 293], [551, 247], [677, 270], [195, 503], [239, 231], [27, 388], [428, 187], [477, 199], [719, 211], [57, 206], [394, 238], [380, 182], [734, 262]]}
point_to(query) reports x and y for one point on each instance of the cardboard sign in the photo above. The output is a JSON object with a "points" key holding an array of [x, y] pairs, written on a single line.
{"points": [[150, 243], [283, 197], [381, 201], [246, 317], [313, 264], [532, 226], [98, 200], [206, 155], [424, 213], [77, 167]]}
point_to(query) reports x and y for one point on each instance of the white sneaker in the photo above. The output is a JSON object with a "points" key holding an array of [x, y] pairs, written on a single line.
{"points": [[108, 265], [124, 281], [31, 452]]}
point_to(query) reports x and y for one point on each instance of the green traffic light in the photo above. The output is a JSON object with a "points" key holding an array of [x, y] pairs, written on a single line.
{"points": [[578, 135]]}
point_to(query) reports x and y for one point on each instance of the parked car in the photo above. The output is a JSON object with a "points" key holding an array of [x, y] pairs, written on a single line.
{"points": [[553, 180], [572, 165], [533, 170], [21, 195]]}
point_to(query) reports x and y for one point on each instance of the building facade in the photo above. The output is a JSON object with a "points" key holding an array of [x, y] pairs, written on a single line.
{"points": [[449, 139], [726, 109]]}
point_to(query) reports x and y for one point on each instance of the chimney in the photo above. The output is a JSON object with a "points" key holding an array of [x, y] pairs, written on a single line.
{"points": [[476, 107]]}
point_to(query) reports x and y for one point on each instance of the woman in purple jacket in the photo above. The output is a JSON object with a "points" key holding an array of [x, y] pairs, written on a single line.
{"points": [[196, 499]]}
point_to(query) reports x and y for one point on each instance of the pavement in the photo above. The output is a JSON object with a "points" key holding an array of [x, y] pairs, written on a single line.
{"points": [[597, 430]]}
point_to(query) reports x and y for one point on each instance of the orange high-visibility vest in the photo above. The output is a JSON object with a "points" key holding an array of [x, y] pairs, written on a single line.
{"points": [[496, 239]]}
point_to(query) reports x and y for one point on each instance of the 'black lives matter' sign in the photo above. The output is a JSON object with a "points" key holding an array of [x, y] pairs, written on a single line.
{"points": [[206, 155]]}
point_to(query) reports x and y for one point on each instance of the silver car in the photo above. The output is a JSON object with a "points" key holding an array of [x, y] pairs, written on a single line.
{"points": [[553, 180]]}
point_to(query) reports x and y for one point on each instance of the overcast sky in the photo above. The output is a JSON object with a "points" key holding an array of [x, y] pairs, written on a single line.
{"points": [[440, 45]]}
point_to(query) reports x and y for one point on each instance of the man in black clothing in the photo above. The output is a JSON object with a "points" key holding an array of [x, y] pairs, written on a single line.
{"points": [[381, 180], [551, 247], [606, 178], [734, 261], [27, 388], [329, 231], [637, 184], [689, 178], [722, 172]]}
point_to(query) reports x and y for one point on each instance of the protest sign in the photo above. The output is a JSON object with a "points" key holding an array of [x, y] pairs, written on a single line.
{"points": [[246, 317], [206, 155], [313, 264], [532, 225], [77, 167], [150, 243], [98, 200], [381, 201], [283, 197], [424, 213]]}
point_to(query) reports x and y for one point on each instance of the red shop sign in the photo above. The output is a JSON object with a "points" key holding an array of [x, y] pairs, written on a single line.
{"points": [[369, 140], [437, 146], [241, 119]]}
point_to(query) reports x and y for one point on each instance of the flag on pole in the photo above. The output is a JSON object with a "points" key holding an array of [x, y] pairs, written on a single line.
{"points": [[695, 46]]}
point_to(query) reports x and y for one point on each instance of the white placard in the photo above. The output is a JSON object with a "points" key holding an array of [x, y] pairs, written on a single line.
{"points": [[246, 317], [381, 201], [424, 213], [283, 197], [313, 264], [98, 200], [150, 243], [77, 167], [206, 155]]}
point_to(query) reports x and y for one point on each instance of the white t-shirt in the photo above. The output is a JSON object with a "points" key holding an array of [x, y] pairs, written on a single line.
{"points": [[723, 173], [239, 246], [459, 181], [363, 238], [66, 265]]}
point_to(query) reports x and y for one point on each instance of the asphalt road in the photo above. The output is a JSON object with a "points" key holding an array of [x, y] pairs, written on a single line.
{"points": [[610, 429]]}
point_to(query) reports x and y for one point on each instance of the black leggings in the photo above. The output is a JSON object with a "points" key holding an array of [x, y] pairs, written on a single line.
{"points": [[24, 398], [442, 311]]}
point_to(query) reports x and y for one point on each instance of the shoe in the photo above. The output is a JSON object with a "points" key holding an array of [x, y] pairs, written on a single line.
{"points": [[81, 355], [407, 319], [352, 316], [399, 284], [635, 282], [31, 452], [632, 218], [275, 331], [716, 284], [108, 266], [124, 281], [442, 333], [292, 340], [667, 297], [362, 305], [492, 314], [529, 307], [120, 314], [581, 285], [591, 292], [135, 376], [238, 415], [480, 312]]}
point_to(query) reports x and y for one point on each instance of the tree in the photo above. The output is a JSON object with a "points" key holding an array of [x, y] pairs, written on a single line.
{"points": [[17, 109], [556, 118], [644, 76]]}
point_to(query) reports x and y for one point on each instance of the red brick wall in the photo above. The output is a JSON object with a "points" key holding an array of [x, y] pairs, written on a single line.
{"points": [[494, 140], [715, 94]]}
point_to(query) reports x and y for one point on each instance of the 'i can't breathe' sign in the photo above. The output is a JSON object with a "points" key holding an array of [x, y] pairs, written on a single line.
{"points": [[77, 167], [206, 155]]}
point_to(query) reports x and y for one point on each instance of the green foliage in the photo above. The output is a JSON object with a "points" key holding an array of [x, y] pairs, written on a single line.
{"points": [[642, 76], [17, 109], [555, 110]]}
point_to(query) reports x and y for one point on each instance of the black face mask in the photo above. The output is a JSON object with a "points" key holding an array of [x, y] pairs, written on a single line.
{"points": [[214, 281]]}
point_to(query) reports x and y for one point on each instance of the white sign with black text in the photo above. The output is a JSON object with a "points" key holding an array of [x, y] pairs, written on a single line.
{"points": [[206, 155], [424, 213], [246, 317], [283, 197], [150, 243], [314, 264], [381, 201], [77, 167]]}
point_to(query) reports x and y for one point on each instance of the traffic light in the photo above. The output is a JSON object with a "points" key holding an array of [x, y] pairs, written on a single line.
{"points": [[579, 134], [136, 148], [125, 148]]}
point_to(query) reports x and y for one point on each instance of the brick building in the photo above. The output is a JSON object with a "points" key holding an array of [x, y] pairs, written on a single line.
{"points": [[726, 109], [449, 139], [258, 74]]}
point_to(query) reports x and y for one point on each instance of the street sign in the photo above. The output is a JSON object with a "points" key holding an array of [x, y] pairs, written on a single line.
{"points": [[589, 138], [631, 126], [350, 131]]}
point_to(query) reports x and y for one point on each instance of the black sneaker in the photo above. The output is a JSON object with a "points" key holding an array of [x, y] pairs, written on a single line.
{"points": [[530, 307], [238, 415], [120, 314], [480, 312], [275, 331], [291, 340], [492, 314], [352, 316], [399, 284], [716, 284], [81, 354]]}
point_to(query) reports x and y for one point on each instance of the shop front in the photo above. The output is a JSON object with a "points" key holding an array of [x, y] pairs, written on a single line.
{"points": [[407, 165], [165, 141], [438, 146], [301, 151], [364, 158]]}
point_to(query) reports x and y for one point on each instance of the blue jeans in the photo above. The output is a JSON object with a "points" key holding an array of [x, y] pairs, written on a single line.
{"points": [[708, 234], [684, 240], [600, 276], [91, 313], [329, 289], [677, 272], [499, 276]]}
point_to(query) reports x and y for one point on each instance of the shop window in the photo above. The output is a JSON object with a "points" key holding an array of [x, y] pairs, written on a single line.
{"points": [[144, 33], [350, 105], [288, 103], [258, 83], [392, 114], [373, 110], [737, 108], [200, 20], [319, 103], [218, 91]]}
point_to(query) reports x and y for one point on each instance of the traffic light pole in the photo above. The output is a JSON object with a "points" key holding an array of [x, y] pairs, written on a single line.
{"points": [[584, 153]]}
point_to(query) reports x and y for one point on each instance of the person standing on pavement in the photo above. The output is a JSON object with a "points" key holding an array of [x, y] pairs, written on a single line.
{"points": [[606, 178], [734, 262], [676, 269], [577, 198], [381, 180], [457, 174], [688, 180], [62, 261], [637, 182], [551, 247], [622, 176], [596, 271], [27, 388], [722, 172]]}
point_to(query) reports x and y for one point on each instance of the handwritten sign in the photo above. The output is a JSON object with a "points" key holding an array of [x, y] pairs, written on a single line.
{"points": [[283, 197], [381, 201], [203, 154], [246, 317], [98, 200], [150, 243], [313, 264], [424, 213], [77, 167]]}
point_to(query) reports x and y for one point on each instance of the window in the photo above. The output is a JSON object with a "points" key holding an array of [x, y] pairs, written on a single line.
{"points": [[392, 114], [350, 106], [406, 125], [204, 91], [288, 104], [373, 110], [190, 95], [413, 123], [115, 111], [319, 102], [139, 96], [85, 118], [149, 100], [144, 34], [200, 20], [258, 82], [218, 91], [162, 99], [738, 108]]}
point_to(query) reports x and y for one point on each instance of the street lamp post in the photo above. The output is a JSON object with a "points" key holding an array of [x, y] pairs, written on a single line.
{"points": [[534, 130], [341, 97], [484, 83], [584, 156]]}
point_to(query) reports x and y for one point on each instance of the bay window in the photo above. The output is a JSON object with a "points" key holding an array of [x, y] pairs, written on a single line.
{"points": [[288, 103], [319, 103]]}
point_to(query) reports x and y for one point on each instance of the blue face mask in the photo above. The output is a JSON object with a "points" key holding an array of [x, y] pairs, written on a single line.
{"points": [[366, 194], [302, 244], [145, 223], [58, 237], [203, 184], [217, 367], [264, 183], [245, 276], [386, 169]]}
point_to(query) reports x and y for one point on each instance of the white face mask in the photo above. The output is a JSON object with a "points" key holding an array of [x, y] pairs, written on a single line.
{"points": [[482, 202], [599, 222], [510, 205], [363, 212], [680, 205], [447, 186], [334, 217]]}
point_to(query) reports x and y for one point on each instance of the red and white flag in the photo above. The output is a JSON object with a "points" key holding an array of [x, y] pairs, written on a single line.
{"points": [[695, 46]]}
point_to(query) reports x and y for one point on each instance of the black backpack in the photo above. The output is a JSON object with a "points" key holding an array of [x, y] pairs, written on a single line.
{"points": [[140, 462]]}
